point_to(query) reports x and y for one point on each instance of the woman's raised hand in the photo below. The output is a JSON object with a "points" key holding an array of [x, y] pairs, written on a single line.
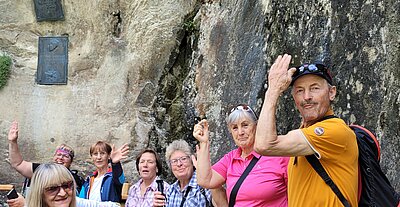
{"points": [[120, 153], [200, 131]]}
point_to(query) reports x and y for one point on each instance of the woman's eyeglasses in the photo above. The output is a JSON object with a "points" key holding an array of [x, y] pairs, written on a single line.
{"points": [[244, 107], [54, 190], [183, 159]]}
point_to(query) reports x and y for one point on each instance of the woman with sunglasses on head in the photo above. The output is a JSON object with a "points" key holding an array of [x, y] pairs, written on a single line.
{"points": [[53, 185], [185, 192], [266, 182], [105, 184]]}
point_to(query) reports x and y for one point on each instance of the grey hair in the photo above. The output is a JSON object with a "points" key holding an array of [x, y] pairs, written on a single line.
{"points": [[237, 115], [178, 145]]}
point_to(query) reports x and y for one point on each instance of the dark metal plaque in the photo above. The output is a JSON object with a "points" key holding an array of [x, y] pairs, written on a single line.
{"points": [[52, 60], [48, 10]]}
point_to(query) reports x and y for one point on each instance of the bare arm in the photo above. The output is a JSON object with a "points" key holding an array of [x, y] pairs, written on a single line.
{"points": [[206, 177], [219, 198], [16, 160], [267, 140]]}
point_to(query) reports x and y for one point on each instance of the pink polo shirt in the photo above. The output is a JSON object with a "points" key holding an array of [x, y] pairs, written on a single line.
{"points": [[266, 184]]}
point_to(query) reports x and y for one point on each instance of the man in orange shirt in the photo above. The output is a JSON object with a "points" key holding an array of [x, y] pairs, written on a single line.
{"points": [[330, 140]]}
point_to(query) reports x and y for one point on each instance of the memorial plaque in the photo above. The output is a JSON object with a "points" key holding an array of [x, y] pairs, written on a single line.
{"points": [[50, 10], [52, 60]]}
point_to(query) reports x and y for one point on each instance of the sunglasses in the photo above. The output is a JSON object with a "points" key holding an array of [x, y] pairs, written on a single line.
{"points": [[314, 69], [244, 107], [54, 190]]}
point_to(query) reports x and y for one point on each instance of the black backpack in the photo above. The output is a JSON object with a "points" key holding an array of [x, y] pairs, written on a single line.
{"points": [[374, 189]]}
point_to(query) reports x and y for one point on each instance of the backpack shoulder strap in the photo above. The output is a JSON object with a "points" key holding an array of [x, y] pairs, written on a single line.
{"points": [[373, 143], [316, 164], [235, 189]]}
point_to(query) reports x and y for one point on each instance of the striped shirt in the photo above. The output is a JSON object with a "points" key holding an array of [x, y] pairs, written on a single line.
{"points": [[195, 197]]}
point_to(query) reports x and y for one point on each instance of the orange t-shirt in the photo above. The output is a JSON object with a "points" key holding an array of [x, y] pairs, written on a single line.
{"points": [[336, 147]]}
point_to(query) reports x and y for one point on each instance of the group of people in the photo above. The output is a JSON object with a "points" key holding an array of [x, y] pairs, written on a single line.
{"points": [[44, 181], [266, 169], [278, 173], [54, 184]]}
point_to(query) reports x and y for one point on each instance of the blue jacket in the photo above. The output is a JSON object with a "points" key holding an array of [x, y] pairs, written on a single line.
{"points": [[111, 185]]}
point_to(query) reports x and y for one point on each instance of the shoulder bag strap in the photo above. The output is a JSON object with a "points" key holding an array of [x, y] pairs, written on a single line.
{"points": [[235, 189], [316, 164], [186, 194], [203, 192]]}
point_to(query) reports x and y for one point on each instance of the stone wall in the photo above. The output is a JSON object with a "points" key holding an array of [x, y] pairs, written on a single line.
{"points": [[139, 71]]}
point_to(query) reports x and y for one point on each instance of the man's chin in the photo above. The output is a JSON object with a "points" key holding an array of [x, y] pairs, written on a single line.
{"points": [[310, 118]]}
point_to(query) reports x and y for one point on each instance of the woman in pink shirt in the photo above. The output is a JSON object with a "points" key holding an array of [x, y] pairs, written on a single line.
{"points": [[265, 185]]}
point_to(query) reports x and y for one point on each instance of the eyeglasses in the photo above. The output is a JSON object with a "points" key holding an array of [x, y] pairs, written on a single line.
{"points": [[184, 159], [244, 107], [54, 190], [62, 155], [319, 69]]}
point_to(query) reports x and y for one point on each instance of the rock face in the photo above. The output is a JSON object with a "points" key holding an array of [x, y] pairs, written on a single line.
{"points": [[140, 71]]}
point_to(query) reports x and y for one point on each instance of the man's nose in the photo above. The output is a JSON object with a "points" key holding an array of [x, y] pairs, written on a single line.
{"points": [[307, 95]]}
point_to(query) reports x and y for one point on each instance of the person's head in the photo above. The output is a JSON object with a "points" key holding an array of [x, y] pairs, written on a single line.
{"points": [[312, 91], [179, 156], [100, 153], [242, 124], [64, 155], [52, 185], [148, 164]]}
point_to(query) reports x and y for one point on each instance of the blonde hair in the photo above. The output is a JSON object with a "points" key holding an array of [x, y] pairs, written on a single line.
{"points": [[46, 175]]}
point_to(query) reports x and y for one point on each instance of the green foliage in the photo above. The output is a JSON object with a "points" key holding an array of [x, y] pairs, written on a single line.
{"points": [[5, 65], [190, 26]]}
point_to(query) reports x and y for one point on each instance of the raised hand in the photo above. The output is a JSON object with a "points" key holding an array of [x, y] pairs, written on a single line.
{"points": [[200, 131], [120, 153], [13, 133], [279, 77]]}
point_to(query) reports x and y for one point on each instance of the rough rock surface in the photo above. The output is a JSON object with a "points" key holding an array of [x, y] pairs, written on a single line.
{"points": [[139, 71]]}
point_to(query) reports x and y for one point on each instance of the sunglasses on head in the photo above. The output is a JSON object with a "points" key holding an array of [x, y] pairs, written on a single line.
{"points": [[244, 107], [319, 69], [55, 189], [311, 68]]}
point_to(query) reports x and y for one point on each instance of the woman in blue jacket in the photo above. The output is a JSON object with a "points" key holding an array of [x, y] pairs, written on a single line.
{"points": [[105, 184]]}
